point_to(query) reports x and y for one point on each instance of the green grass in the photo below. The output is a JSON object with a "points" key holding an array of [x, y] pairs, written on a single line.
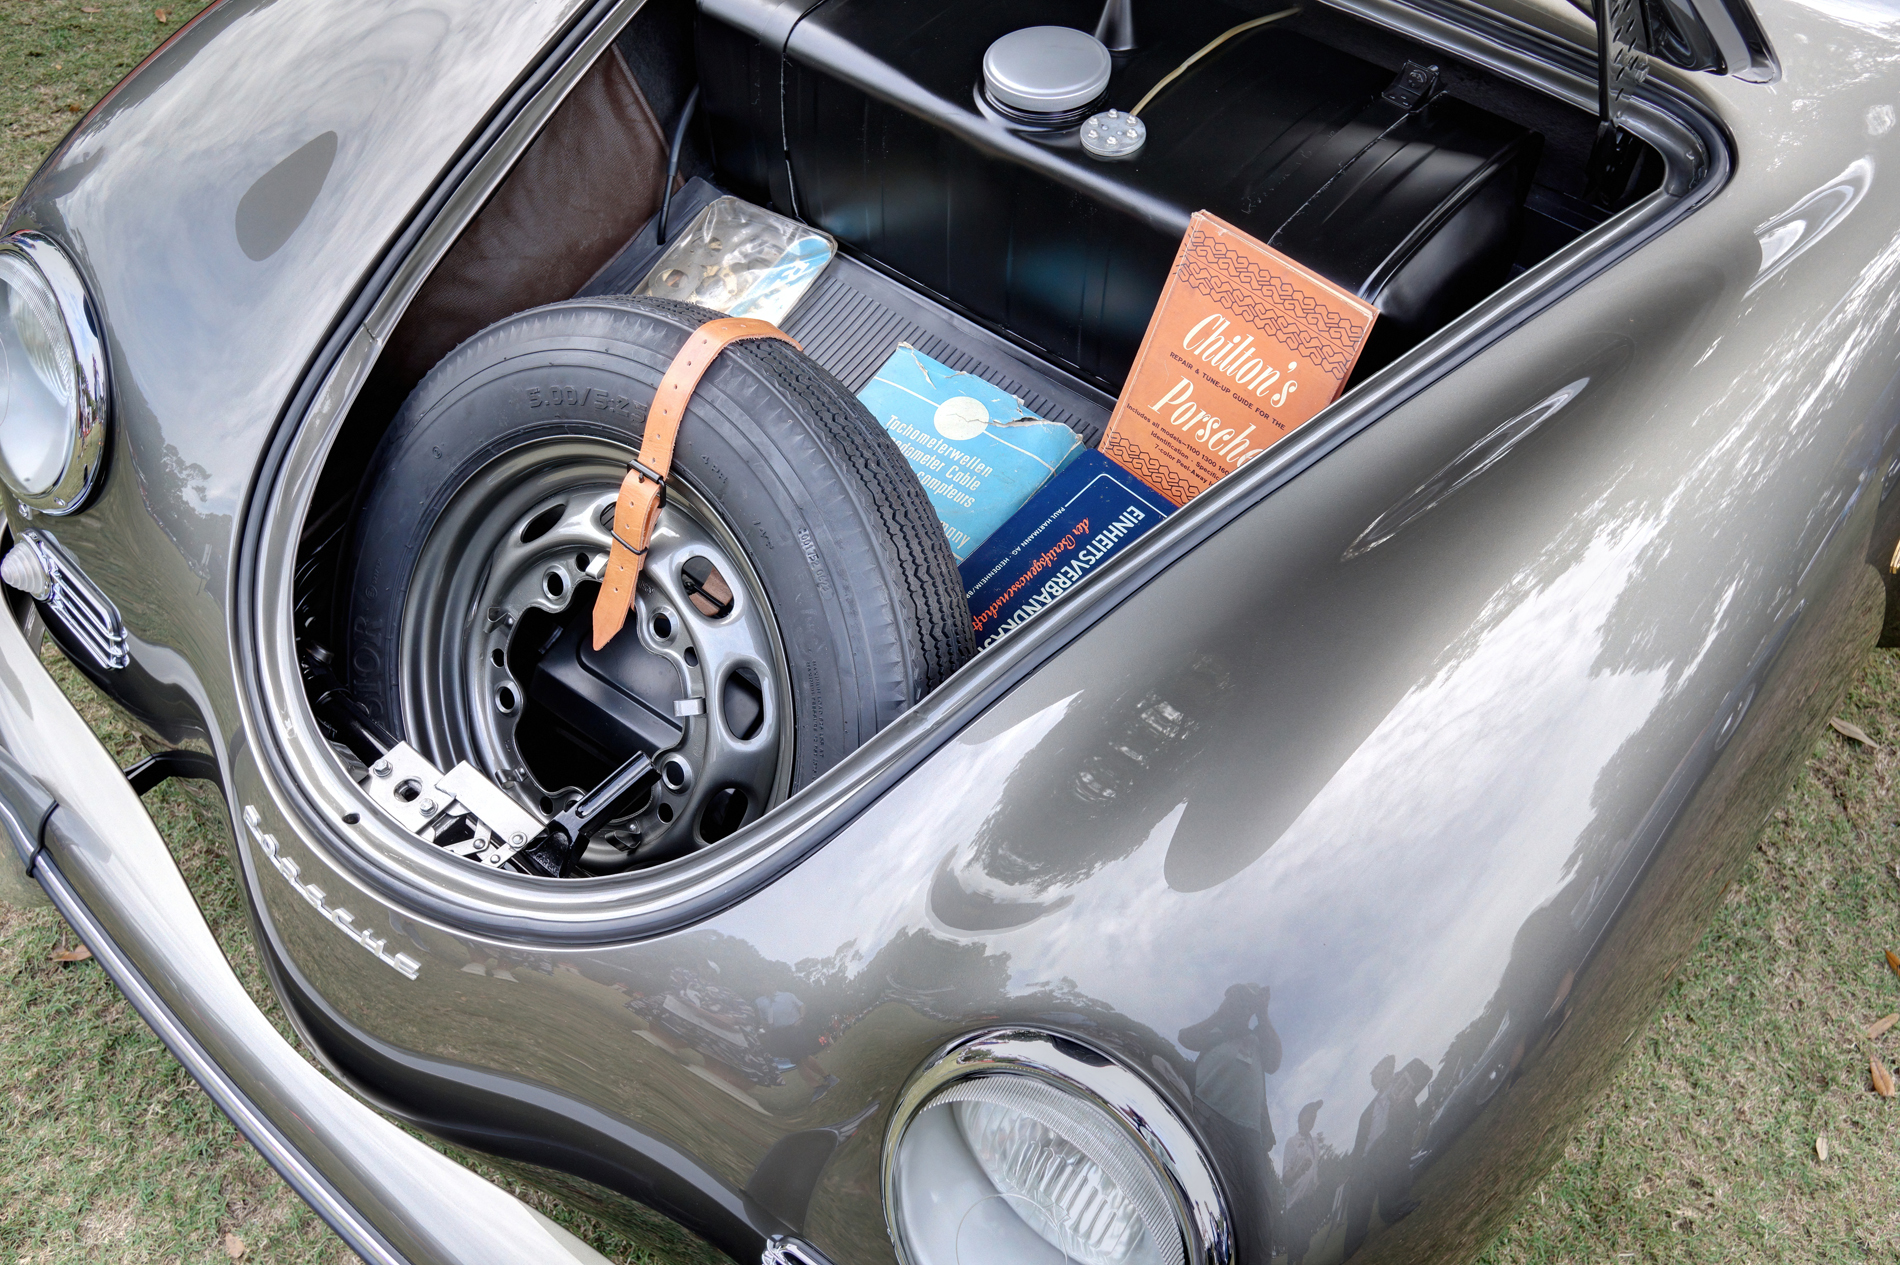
{"points": [[1702, 1149]]}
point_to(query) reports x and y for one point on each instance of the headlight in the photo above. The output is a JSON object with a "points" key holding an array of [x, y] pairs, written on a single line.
{"points": [[1025, 1148], [53, 389]]}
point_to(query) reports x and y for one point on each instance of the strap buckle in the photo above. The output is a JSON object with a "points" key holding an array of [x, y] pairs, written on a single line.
{"points": [[653, 476]]}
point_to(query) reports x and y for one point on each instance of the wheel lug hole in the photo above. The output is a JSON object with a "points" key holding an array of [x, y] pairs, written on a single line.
{"points": [[554, 583], [505, 700], [662, 625], [676, 774]]}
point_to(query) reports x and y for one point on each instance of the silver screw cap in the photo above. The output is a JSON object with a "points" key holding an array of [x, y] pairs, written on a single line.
{"points": [[1046, 69], [1112, 134]]}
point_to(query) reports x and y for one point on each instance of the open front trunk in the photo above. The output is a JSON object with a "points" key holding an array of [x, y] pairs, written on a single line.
{"points": [[1440, 166]]}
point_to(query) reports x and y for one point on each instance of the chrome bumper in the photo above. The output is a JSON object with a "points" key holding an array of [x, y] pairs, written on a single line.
{"points": [[80, 830]]}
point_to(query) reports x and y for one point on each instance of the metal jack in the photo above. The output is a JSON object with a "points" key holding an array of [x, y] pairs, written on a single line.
{"points": [[554, 852]]}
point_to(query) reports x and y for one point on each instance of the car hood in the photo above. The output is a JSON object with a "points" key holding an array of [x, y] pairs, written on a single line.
{"points": [[231, 196]]}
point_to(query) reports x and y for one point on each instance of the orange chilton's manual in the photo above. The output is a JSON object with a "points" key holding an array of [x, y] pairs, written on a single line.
{"points": [[1244, 346]]}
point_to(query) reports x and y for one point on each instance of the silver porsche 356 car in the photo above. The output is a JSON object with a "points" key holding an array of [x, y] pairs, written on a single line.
{"points": [[1286, 887]]}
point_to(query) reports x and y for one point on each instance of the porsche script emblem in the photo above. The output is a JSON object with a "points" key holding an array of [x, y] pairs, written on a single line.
{"points": [[340, 918]]}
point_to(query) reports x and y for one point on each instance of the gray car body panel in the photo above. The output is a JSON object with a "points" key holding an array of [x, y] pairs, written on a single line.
{"points": [[1452, 740]]}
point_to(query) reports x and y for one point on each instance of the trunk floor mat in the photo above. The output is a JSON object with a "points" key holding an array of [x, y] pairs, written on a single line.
{"points": [[853, 317]]}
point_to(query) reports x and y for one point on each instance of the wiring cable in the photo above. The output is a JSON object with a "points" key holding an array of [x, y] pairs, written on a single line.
{"points": [[1207, 48], [673, 159]]}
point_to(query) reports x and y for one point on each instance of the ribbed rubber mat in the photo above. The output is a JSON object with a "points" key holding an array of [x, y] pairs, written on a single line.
{"points": [[853, 318]]}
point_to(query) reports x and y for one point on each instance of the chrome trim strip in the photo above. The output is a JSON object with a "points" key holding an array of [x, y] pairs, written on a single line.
{"points": [[84, 328], [84, 611], [311, 1186], [1150, 1120], [392, 1198]]}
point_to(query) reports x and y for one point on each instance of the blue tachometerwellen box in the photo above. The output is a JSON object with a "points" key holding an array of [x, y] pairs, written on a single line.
{"points": [[1089, 512], [978, 452]]}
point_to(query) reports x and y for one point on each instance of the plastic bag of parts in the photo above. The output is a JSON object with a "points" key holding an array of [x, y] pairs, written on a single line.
{"points": [[742, 260]]}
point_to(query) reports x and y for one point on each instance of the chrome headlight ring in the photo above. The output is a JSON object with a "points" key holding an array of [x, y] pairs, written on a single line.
{"points": [[1080, 1081], [75, 386]]}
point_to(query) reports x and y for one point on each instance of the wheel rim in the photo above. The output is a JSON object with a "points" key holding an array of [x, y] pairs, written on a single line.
{"points": [[518, 551]]}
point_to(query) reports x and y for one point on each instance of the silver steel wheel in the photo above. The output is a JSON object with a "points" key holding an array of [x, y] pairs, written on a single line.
{"points": [[517, 547]]}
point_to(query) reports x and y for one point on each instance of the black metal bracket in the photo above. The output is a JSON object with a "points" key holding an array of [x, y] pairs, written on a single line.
{"points": [[1615, 159], [693, 588], [554, 852], [1414, 86], [1622, 66], [154, 769]]}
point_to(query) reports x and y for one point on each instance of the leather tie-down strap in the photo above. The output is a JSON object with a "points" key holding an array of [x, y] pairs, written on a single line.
{"points": [[639, 506]]}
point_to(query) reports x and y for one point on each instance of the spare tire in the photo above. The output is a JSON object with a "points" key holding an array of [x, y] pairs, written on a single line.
{"points": [[799, 589]]}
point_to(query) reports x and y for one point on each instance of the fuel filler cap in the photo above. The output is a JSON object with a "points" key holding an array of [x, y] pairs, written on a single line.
{"points": [[1046, 70]]}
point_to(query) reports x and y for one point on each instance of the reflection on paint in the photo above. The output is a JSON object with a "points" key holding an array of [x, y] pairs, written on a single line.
{"points": [[1791, 234], [1463, 468]]}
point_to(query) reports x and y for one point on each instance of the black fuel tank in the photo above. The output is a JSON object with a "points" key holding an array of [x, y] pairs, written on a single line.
{"points": [[889, 144]]}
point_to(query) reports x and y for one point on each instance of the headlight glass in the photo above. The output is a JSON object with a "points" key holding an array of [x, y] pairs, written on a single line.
{"points": [[1067, 1176], [1019, 1149], [52, 378], [36, 429]]}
